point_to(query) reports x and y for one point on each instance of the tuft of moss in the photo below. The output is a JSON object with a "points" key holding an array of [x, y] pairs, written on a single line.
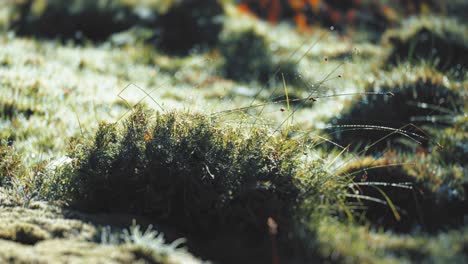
{"points": [[248, 58], [95, 20], [23, 233], [420, 96], [424, 195], [184, 170], [175, 26], [440, 40], [190, 24], [10, 163]]}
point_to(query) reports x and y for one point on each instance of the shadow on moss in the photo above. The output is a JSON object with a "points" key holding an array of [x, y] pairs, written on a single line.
{"points": [[397, 110], [439, 40], [176, 26], [423, 196], [248, 58]]}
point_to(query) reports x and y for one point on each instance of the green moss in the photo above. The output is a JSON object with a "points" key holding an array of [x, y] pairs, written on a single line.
{"points": [[451, 143], [424, 194], [175, 26], [400, 109], [190, 24], [10, 163], [182, 169], [248, 58], [23, 233], [92, 19], [442, 41]]}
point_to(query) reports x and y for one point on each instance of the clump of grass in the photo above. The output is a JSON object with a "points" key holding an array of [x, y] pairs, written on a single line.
{"points": [[248, 58], [396, 108], [442, 41]]}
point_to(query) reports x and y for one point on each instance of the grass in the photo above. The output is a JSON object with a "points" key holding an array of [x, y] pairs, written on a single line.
{"points": [[98, 132]]}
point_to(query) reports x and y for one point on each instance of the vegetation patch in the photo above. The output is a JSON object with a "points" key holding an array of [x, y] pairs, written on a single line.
{"points": [[190, 24], [183, 170], [9, 110], [94, 20], [406, 196], [248, 57], [440, 40], [175, 26], [22, 233], [10, 163], [400, 108]]}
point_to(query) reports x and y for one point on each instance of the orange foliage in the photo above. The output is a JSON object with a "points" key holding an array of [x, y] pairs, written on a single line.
{"points": [[315, 5], [273, 14], [301, 21], [349, 12]]}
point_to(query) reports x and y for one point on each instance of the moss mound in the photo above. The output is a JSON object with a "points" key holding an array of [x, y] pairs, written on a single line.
{"points": [[10, 163], [175, 26], [440, 40], [452, 143], [248, 57], [407, 197], [189, 24], [183, 170], [95, 20], [420, 96]]}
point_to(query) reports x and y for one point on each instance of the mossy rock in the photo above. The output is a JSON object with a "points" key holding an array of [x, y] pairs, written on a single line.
{"points": [[442, 41], [400, 110]]}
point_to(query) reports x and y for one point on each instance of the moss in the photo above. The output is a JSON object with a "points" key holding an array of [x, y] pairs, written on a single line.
{"points": [[184, 170], [349, 243], [23, 233], [9, 110], [190, 24], [442, 41], [415, 100], [424, 195], [248, 58], [94, 20], [10, 163], [175, 26], [451, 143]]}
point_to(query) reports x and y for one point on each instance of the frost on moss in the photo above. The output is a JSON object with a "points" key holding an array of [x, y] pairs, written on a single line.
{"points": [[442, 41], [404, 194], [10, 163], [182, 169], [248, 57], [397, 107], [175, 26]]}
